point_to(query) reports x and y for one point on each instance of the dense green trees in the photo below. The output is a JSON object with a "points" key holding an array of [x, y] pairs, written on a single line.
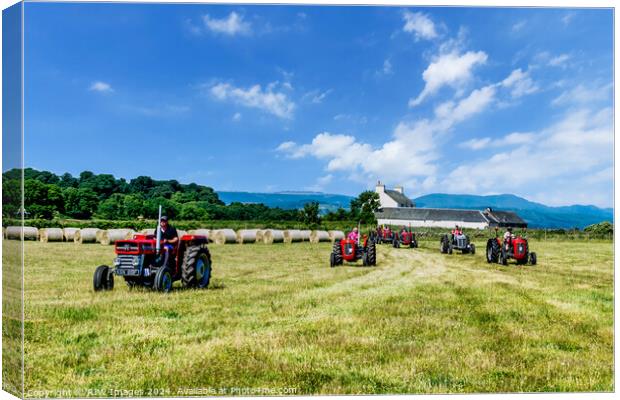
{"points": [[103, 196], [363, 208]]}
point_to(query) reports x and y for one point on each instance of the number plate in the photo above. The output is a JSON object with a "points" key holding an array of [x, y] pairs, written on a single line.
{"points": [[127, 272]]}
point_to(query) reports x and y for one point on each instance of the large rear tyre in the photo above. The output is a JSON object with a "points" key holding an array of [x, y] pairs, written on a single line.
{"points": [[533, 258], [103, 279], [196, 268], [444, 244], [163, 280], [372, 255], [337, 251]]}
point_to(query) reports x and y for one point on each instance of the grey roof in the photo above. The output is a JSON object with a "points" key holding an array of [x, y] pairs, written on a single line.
{"points": [[504, 218], [401, 199], [432, 214]]}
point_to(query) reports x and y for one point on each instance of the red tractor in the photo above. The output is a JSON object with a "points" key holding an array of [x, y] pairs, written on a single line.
{"points": [[405, 238], [351, 250], [500, 251], [384, 235], [141, 262]]}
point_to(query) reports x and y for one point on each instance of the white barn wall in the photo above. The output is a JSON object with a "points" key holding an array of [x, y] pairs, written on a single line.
{"points": [[433, 224]]}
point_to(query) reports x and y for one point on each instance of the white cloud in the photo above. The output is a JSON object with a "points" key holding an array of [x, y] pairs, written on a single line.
{"points": [[518, 26], [268, 100], [520, 83], [419, 25], [566, 19], [452, 69], [100, 86], [387, 67], [582, 94], [559, 61], [476, 144], [236, 117], [511, 139], [232, 25], [566, 158], [316, 96]]}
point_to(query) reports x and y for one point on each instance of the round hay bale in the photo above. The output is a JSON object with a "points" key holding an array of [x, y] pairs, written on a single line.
{"points": [[292, 235], [86, 235], [335, 235], [246, 236], [69, 233], [51, 235], [112, 235], [201, 232], [99, 235], [147, 231], [273, 236], [17, 233], [224, 236], [181, 233], [259, 235], [319, 236], [305, 235]]}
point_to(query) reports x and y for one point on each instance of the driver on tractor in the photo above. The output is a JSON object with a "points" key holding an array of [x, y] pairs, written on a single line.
{"points": [[457, 231], [508, 236], [354, 235], [169, 237]]}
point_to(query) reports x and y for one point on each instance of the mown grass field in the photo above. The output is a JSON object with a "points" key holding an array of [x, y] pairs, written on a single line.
{"points": [[277, 317]]}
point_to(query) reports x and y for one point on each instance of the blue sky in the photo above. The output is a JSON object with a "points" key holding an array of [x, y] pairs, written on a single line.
{"points": [[271, 98]]}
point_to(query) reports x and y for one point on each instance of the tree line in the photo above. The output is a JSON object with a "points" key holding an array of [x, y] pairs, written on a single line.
{"points": [[102, 196]]}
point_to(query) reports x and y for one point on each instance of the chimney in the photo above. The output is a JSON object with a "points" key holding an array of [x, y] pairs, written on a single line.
{"points": [[380, 188], [399, 189]]}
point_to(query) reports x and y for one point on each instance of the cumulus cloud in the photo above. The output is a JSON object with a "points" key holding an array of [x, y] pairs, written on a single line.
{"points": [[267, 100], [231, 25], [508, 140], [451, 69], [316, 96], [520, 83], [559, 61], [577, 149], [419, 25], [102, 87]]}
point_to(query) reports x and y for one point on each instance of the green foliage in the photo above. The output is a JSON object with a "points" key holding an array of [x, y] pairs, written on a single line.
{"points": [[602, 228], [310, 214], [80, 203], [364, 206], [193, 211]]}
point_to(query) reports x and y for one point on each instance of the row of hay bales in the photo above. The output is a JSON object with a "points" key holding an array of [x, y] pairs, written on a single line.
{"points": [[217, 236]]}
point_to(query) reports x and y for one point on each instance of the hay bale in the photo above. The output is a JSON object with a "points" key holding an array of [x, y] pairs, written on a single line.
{"points": [[224, 236], [273, 236], [201, 232], [292, 235], [51, 235], [181, 233], [19, 233], [305, 235], [259, 235], [147, 231], [111, 236], [69, 233], [335, 235], [319, 236], [86, 235], [99, 235], [246, 236]]}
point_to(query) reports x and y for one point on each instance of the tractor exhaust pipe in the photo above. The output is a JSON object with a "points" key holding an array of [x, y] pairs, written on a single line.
{"points": [[157, 244]]}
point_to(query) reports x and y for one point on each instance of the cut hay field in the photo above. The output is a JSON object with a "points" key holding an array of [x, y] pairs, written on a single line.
{"points": [[277, 320]]}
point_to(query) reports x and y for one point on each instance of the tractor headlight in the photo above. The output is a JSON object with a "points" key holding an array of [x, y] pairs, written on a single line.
{"points": [[117, 262], [136, 262]]}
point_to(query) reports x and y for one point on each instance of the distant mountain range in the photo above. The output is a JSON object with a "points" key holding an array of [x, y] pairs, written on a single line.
{"points": [[537, 215]]}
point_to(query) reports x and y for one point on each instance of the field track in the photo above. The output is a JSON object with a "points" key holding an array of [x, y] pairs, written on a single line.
{"points": [[277, 317]]}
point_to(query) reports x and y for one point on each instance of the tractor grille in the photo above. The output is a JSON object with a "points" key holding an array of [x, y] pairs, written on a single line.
{"points": [[461, 242], [126, 261]]}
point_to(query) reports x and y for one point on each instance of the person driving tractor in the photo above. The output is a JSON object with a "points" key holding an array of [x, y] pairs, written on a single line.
{"points": [[508, 238], [353, 235], [169, 237], [457, 231]]}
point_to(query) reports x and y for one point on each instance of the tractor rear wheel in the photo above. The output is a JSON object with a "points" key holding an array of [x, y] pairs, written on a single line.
{"points": [[492, 251], [443, 244], [103, 278], [163, 280], [533, 258], [337, 252], [196, 267], [372, 255]]}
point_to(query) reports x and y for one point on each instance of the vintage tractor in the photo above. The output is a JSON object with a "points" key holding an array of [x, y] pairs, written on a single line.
{"points": [[456, 241], [384, 235], [352, 250], [500, 251], [140, 264], [405, 238]]}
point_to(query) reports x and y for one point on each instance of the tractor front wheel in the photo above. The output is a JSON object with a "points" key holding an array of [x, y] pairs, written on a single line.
{"points": [[196, 268], [103, 278], [533, 258], [472, 248], [492, 251], [163, 280], [502, 257], [332, 260]]}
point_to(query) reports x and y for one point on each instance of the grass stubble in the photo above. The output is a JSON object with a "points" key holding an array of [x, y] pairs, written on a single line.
{"points": [[278, 317]]}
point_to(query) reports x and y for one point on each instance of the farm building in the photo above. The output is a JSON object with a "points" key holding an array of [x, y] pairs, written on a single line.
{"points": [[397, 209]]}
